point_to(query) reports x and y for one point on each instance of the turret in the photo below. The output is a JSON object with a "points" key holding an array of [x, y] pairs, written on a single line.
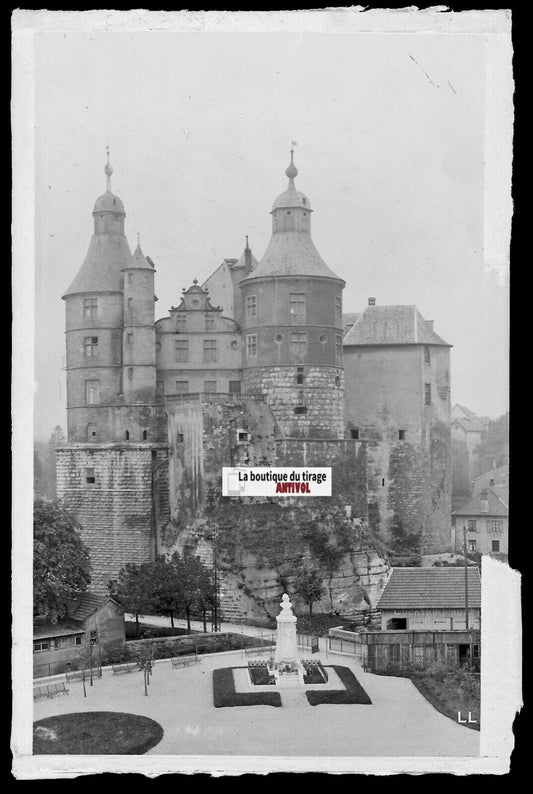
{"points": [[292, 324], [138, 357]]}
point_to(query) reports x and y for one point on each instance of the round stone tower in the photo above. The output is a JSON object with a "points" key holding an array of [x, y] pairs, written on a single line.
{"points": [[110, 335], [292, 325]]}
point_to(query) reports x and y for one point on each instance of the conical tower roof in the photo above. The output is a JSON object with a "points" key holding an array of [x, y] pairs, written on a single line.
{"points": [[108, 252], [291, 252]]}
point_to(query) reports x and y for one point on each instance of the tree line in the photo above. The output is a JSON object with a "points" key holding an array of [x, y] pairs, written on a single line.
{"points": [[169, 585]]}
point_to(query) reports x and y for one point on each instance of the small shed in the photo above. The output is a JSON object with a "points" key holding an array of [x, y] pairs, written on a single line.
{"points": [[431, 599], [90, 618]]}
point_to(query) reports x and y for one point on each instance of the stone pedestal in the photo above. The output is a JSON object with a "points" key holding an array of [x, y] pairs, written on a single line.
{"points": [[287, 667]]}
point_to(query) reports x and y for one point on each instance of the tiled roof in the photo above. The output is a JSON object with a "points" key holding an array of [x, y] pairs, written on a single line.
{"points": [[497, 505], [392, 325], [84, 605], [431, 588], [291, 254], [465, 410], [47, 629], [101, 268], [349, 319], [469, 425]]}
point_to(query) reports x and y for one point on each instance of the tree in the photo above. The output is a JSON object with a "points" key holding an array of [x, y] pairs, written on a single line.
{"points": [[61, 563], [493, 451], [309, 584], [133, 589], [196, 586], [167, 592]]}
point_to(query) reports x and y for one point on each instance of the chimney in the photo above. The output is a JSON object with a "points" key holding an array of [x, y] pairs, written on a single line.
{"points": [[371, 301], [247, 258]]}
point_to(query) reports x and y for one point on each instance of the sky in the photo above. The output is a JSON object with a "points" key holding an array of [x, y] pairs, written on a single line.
{"points": [[390, 133]]}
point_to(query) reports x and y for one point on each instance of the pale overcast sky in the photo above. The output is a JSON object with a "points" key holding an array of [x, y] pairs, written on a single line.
{"points": [[390, 131]]}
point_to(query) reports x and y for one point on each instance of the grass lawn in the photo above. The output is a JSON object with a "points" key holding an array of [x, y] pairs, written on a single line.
{"points": [[448, 695], [95, 733], [354, 694], [224, 692]]}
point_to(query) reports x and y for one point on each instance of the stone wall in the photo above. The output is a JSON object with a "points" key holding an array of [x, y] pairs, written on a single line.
{"points": [[320, 397], [116, 510]]}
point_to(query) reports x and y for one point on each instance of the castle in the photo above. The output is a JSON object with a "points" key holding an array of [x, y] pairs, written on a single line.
{"points": [[259, 365]]}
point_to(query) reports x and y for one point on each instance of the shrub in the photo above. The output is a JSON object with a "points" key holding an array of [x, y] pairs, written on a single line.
{"points": [[353, 694], [224, 694]]}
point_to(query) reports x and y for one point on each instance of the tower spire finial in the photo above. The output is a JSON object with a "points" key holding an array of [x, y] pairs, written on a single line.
{"points": [[108, 170], [292, 171]]}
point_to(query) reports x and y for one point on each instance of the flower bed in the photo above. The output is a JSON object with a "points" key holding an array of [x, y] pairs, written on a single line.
{"points": [[259, 674], [224, 694], [352, 695], [314, 673], [95, 733]]}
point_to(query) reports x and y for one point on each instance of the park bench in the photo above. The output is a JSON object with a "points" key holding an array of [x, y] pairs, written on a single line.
{"points": [[183, 661], [50, 690], [127, 667], [72, 675]]}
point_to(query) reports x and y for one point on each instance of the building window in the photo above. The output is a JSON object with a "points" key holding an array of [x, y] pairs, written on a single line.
{"points": [[92, 392], [180, 438], [472, 525], [338, 307], [300, 375], [90, 479], [495, 545], [401, 435], [91, 432], [495, 526], [338, 347], [160, 388], [67, 642], [181, 322], [127, 435], [90, 307], [298, 344], [297, 307], [210, 350], [130, 278], [354, 432], [472, 544], [243, 437], [145, 435], [90, 346], [210, 386], [209, 322], [300, 409], [251, 345], [251, 306], [427, 355], [181, 350], [130, 339], [130, 303], [41, 645], [130, 373], [427, 393], [234, 387], [182, 386]]}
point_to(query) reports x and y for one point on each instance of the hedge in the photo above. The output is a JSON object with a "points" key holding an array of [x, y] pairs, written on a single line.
{"points": [[354, 694], [224, 693]]}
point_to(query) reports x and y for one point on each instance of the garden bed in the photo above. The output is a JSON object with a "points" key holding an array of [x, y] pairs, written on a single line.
{"points": [[95, 733], [260, 675], [224, 694], [353, 694]]}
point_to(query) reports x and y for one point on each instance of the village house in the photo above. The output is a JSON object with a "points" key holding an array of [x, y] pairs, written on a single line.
{"points": [[90, 618], [430, 598], [485, 516]]}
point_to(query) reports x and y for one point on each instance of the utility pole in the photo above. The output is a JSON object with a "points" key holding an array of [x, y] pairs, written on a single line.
{"points": [[466, 580]]}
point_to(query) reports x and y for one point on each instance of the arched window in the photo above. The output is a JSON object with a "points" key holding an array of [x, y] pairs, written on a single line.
{"points": [[127, 435], [145, 435]]}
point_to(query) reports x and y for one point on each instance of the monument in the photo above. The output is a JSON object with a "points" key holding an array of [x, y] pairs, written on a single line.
{"points": [[288, 669]]}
